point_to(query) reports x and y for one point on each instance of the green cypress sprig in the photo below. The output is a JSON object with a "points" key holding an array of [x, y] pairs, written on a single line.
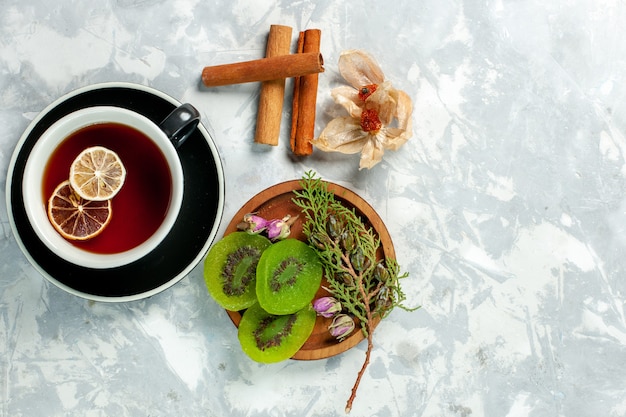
{"points": [[368, 288]]}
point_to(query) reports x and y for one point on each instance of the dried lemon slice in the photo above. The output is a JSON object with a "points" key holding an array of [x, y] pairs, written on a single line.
{"points": [[97, 174], [75, 218]]}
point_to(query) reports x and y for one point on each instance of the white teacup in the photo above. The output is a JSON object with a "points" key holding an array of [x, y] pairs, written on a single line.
{"points": [[167, 136]]}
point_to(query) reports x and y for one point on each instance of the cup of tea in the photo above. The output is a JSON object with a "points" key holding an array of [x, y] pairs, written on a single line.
{"points": [[147, 205]]}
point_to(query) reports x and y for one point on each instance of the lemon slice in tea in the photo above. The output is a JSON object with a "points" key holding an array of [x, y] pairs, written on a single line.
{"points": [[74, 217], [97, 174]]}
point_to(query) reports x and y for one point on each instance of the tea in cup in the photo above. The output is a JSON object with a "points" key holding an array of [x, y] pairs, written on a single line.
{"points": [[148, 203]]}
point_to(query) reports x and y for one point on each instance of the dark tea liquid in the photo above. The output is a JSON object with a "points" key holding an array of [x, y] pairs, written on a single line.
{"points": [[139, 208]]}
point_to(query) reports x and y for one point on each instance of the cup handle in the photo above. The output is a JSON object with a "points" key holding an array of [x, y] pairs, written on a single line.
{"points": [[180, 123]]}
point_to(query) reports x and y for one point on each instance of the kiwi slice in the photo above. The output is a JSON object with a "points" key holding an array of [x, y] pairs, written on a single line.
{"points": [[269, 338], [230, 269], [288, 275]]}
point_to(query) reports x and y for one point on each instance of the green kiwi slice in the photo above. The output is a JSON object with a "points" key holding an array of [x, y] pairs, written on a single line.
{"points": [[288, 275], [269, 338], [230, 269]]}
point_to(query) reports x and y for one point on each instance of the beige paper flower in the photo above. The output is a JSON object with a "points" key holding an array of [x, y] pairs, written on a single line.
{"points": [[379, 115]]}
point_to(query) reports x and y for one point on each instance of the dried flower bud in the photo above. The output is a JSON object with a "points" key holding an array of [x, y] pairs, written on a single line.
{"points": [[319, 240], [383, 300], [275, 229], [347, 241], [252, 223], [279, 228], [358, 259], [334, 227], [346, 278], [381, 273], [327, 306], [341, 326]]}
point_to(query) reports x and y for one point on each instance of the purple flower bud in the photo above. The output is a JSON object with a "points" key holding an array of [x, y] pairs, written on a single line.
{"points": [[327, 306], [341, 326], [279, 228], [253, 223]]}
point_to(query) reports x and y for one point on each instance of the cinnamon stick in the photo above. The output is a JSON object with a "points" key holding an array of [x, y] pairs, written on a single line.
{"points": [[272, 92], [305, 98], [295, 101], [264, 69]]}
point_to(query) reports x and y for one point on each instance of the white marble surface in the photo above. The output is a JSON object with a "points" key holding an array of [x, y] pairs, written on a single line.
{"points": [[507, 208]]}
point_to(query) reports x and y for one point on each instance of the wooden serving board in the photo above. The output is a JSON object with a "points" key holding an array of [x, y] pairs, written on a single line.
{"points": [[275, 203]]}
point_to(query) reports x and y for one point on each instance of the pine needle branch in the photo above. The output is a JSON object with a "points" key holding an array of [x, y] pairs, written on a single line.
{"points": [[368, 288]]}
